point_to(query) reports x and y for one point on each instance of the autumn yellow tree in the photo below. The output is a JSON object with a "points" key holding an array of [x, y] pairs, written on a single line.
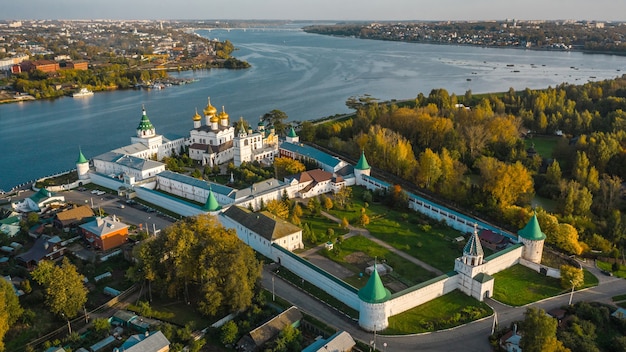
{"points": [[278, 208], [506, 183], [287, 166], [428, 169], [571, 276]]}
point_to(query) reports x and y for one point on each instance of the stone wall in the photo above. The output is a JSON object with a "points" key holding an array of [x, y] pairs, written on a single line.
{"points": [[422, 293]]}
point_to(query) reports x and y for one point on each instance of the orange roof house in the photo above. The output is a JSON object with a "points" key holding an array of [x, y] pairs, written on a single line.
{"points": [[72, 217], [105, 233]]}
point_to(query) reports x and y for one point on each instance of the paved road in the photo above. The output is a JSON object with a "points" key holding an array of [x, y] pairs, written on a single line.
{"points": [[473, 336]]}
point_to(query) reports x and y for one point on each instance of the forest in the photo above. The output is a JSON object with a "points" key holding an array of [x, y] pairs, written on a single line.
{"points": [[478, 153]]}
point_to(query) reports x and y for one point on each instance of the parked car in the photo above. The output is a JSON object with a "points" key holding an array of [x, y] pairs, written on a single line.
{"points": [[607, 273]]}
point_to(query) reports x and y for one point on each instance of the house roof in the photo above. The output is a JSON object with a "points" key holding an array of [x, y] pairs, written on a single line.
{"points": [[491, 237], [215, 187], [374, 291], [270, 185], [270, 329], [532, 231], [319, 175], [74, 214], [312, 153], [40, 249], [104, 226], [124, 315], [339, 342], [154, 342], [262, 223], [129, 161]]}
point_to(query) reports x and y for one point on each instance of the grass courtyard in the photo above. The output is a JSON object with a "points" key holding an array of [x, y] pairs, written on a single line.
{"points": [[408, 231], [358, 252]]}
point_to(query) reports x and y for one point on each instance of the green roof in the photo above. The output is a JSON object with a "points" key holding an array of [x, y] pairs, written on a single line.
{"points": [[532, 231], [211, 203], [374, 291], [292, 133], [145, 124], [362, 164], [483, 277], [81, 157], [473, 246]]}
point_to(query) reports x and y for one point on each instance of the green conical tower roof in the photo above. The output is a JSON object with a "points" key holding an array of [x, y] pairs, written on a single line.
{"points": [[374, 291], [292, 133], [145, 124], [532, 231], [362, 164], [473, 246], [81, 157], [211, 202]]}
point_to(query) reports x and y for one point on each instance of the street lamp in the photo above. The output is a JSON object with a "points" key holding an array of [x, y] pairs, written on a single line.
{"points": [[384, 347], [69, 327], [571, 295], [273, 295]]}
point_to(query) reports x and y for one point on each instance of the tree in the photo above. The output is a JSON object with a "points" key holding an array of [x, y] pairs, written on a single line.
{"points": [[343, 197], [344, 223], [364, 220], [102, 326], [506, 183], [10, 309], [328, 203], [278, 208], [229, 332], [428, 169], [65, 293], [539, 332], [287, 166], [571, 276], [276, 118], [199, 254]]}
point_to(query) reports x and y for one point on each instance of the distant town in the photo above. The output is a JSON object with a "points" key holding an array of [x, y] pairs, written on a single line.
{"points": [[605, 37]]}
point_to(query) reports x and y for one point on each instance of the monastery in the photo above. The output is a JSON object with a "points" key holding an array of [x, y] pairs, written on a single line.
{"points": [[131, 171]]}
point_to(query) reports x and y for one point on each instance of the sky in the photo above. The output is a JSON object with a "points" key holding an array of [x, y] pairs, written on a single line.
{"points": [[376, 10]]}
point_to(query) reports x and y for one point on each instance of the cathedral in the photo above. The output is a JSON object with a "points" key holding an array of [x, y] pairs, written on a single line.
{"points": [[211, 143]]}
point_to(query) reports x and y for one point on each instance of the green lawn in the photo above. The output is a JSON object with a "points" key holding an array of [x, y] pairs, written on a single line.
{"points": [[544, 145], [407, 231], [320, 224], [453, 309], [519, 285], [608, 267], [404, 271]]}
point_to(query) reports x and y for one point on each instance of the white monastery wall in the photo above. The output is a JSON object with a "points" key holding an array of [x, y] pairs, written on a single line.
{"points": [[422, 293], [551, 272]]}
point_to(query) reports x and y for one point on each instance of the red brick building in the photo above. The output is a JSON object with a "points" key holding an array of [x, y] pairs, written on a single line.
{"points": [[42, 65], [105, 233], [77, 65]]}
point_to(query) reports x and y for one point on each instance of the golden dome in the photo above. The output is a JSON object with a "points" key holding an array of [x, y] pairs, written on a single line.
{"points": [[210, 109], [214, 119], [197, 116], [223, 115]]}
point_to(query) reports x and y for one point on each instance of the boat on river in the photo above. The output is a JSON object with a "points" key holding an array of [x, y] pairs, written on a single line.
{"points": [[83, 92]]}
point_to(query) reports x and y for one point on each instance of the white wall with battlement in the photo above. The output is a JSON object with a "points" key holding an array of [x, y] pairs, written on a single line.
{"points": [[546, 270], [422, 293]]}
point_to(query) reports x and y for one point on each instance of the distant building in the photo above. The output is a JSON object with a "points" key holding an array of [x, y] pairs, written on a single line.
{"points": [[341, 341], [38, 201], [41, 65]]}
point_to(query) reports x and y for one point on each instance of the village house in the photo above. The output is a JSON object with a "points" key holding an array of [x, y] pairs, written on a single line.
{"points": [[73, 217], [45, 248], [255, 339], [105, 233]]}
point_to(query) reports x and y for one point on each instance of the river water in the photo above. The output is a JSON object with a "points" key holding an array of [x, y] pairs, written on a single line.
{"points": [[305, 75]]}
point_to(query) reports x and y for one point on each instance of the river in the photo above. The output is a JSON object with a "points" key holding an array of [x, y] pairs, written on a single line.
{"points": [[305, 75]]}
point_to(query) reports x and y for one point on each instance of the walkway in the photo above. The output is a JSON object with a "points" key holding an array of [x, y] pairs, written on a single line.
{"points": [[365, 233]]}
